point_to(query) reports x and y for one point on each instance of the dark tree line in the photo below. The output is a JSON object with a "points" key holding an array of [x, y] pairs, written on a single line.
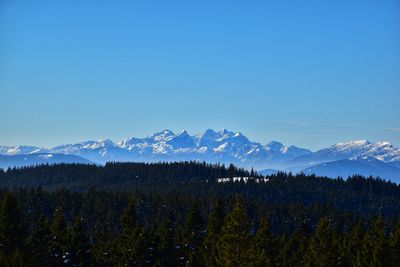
{"points": [[223, 239], [176, 214], [357, 195]]}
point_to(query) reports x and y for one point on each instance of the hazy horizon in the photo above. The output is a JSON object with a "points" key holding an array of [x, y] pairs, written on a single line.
{"points": [[193, 134]]}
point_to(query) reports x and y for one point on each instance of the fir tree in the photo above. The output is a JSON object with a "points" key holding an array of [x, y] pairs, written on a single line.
{"points": [[78, 250], [129, 220], [375, 249], [323, 246], [11, 227], [17, 259], [234, 242], [263, 246], [39, 244], [105, 248], [194, 234], [59, 238], [395, 245], [214, 227], [293, 252], [166, 251], [133, 246], [351, 246]]}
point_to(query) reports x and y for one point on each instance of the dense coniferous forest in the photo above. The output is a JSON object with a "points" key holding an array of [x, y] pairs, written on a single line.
{"points": [[178, 214]]}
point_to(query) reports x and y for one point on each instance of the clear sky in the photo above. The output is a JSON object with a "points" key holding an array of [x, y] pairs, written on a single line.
{"points": [[310, 73]]}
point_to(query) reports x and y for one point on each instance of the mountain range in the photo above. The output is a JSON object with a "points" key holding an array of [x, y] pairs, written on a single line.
{"points": [[342, 159]]}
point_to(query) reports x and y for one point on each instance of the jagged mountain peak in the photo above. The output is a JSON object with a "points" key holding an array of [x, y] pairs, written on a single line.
{"points": [[240, 138], [274, 146], [206, 139], [359, 146], [15, 150], [181, 140], [224, 146], [383, 144], [161, 136], [225, 132], [209, 132], [164, 132], [354, 143], [183, 133]]}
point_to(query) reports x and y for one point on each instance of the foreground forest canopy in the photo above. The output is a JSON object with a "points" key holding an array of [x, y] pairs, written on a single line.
{"points": [[177, 214]]}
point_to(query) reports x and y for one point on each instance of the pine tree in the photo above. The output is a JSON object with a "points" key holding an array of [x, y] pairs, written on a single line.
{"points": [[166, 251], [263, 246], [134, 242], [323, 246], [375, 249], [194, 234], [214, 227], [293, 252], [59, 238], [105, 248], [395, 245], [129, 220], [11, 227], [234, 243], [78, 250], [17, 259], [351, 246], [39, 244]]}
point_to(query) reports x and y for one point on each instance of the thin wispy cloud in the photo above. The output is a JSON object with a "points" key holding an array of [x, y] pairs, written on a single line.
{"points": [[393, 129], [344, 125]]}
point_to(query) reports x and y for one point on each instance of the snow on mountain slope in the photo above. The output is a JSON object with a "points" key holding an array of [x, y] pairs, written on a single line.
{"points": [[366, 166], [207, 139], [223, 146], [95, 151], [181, 141], [15, 150], [380, 150], [383, 151], [38, 158]]}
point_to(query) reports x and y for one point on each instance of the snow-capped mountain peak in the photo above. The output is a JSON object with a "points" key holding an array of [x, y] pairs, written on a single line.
{"points": [[240, 138], [16, 150], [274, 146], [384, 144], [206, 139], [352, 144], [224, 134], [223, 146], [161, 136], [181, 141]]}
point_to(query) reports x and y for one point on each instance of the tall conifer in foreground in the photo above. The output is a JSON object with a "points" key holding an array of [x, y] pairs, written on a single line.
{"points": [[394, 244], [234, 244], [263, 246], [350, 247], [58, 239], [214, 227], [79, 251], [39, 244], [194, 235], [375, 248], [293, 252], [11, 228], [323, 246], [133, 245]]}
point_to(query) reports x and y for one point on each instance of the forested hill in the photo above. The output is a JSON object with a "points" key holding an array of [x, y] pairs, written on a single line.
{"points": [[123, 176], [178, 214], [364, 196]]}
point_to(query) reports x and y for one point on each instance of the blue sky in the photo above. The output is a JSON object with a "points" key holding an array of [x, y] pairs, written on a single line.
{"points": [[310, 73]]}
